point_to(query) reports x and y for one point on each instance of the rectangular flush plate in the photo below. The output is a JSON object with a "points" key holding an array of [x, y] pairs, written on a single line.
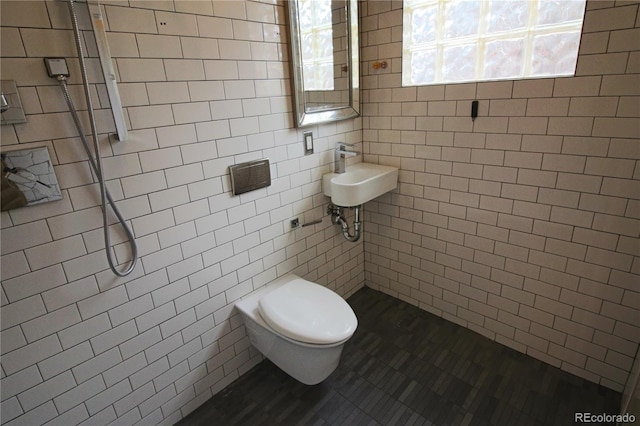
{"points": [[250, 176]]}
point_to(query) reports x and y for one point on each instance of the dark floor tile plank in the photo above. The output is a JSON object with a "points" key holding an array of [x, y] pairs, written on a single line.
{"points": [[405, 366]]}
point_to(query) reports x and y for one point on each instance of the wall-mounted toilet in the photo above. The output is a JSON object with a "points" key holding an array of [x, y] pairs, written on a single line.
{"points": [[299, 325]]}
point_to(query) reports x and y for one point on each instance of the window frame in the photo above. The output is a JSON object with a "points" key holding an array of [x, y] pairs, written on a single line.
{"points": [[482, 37]]}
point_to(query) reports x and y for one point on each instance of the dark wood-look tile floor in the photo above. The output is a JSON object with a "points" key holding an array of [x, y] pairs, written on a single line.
{"points": [[404, 366]]}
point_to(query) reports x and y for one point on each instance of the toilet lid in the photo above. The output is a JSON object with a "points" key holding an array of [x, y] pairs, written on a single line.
{"points": [[308, 312]]}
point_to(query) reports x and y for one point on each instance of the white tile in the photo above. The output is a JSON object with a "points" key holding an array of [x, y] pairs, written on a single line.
{"points": [[141, 70], [164, 200], [191, 112], [145, 284], [16, 383], [12, 338], [204, 309], [21, 311], [83, 266], [96, 365], [177, 234], [160, 159], [171, 375], [205, 90], [225, 109], [130, 310], [167, 92], [199, 152], [131, 20], [151, 116], [45, 391], [102, 302], [73, 416], [232, 146], [108, 397], [184, 69], [128, 403], [84, 330], [75, 223], [155, 317], [39, 415], [150, 372], [183, 175], [71, 175], [195, 7], [198, 245], [246, 30], [143, 184], [230, 9], [176, 23], [24, 236], [237, 89], [133, 94], [213, 27], [103, 418], [268, 88], [123, 45], [177, 323], [14, 264], [152, 4], [164, 347], [176, 135], [65, 360], [29, 355], [260, 12], [184, 268], [609, 19], [133, 207], [33, 283], [41, 42], [10, 407], [200, 48], [153, 222], [124, 369], [50, 323], [26, 15]]}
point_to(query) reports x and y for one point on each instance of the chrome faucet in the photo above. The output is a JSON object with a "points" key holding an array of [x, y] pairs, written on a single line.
{"points": [[340, 154]]}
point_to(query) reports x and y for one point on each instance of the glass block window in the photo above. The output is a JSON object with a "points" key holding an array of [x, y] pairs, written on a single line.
{"points": [[451, 41], [316, 36]]}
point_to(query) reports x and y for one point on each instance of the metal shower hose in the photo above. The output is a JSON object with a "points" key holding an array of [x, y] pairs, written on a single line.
{"points": [[96, 164]]}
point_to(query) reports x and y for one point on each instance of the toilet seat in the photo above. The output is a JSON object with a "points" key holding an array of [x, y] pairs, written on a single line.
{"points": [[308, 312]]}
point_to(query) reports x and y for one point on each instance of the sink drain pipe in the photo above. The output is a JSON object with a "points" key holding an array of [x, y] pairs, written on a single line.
{"points": [[337, 218]]}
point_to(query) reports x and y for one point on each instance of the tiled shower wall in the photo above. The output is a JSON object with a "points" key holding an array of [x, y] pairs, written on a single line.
{"points": [[205, 84], [522, 225]]}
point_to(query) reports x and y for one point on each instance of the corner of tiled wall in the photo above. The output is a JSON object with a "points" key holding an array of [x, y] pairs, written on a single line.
{"points": [[205, 84], [522, 225]]}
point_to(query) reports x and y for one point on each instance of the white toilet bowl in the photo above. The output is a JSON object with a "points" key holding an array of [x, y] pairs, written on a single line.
{"points": [[299, 325]]}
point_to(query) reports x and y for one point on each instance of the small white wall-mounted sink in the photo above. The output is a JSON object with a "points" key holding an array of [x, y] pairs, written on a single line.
{"points": [[360, 183]]}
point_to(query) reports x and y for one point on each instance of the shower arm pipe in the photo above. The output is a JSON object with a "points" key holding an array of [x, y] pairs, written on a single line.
{"points": [[337, 218], [96, 163]]}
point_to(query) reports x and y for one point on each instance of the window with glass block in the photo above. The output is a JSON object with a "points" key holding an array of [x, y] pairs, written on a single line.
{"points": [[447, 41]]}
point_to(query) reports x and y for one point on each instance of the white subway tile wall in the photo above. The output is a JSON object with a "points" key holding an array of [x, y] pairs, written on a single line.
{"points": [[205, 85], [522, 225]]}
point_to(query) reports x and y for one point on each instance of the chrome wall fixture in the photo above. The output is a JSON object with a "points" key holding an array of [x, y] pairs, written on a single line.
{"points": [[337, 218], [107, 69], [57, 69]]}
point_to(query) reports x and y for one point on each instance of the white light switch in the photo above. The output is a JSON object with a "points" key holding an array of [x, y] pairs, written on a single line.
{"points": [[308, 143]]}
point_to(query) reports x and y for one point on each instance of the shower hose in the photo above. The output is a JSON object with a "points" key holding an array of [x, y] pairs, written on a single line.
{"points": [[96, 163]]}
